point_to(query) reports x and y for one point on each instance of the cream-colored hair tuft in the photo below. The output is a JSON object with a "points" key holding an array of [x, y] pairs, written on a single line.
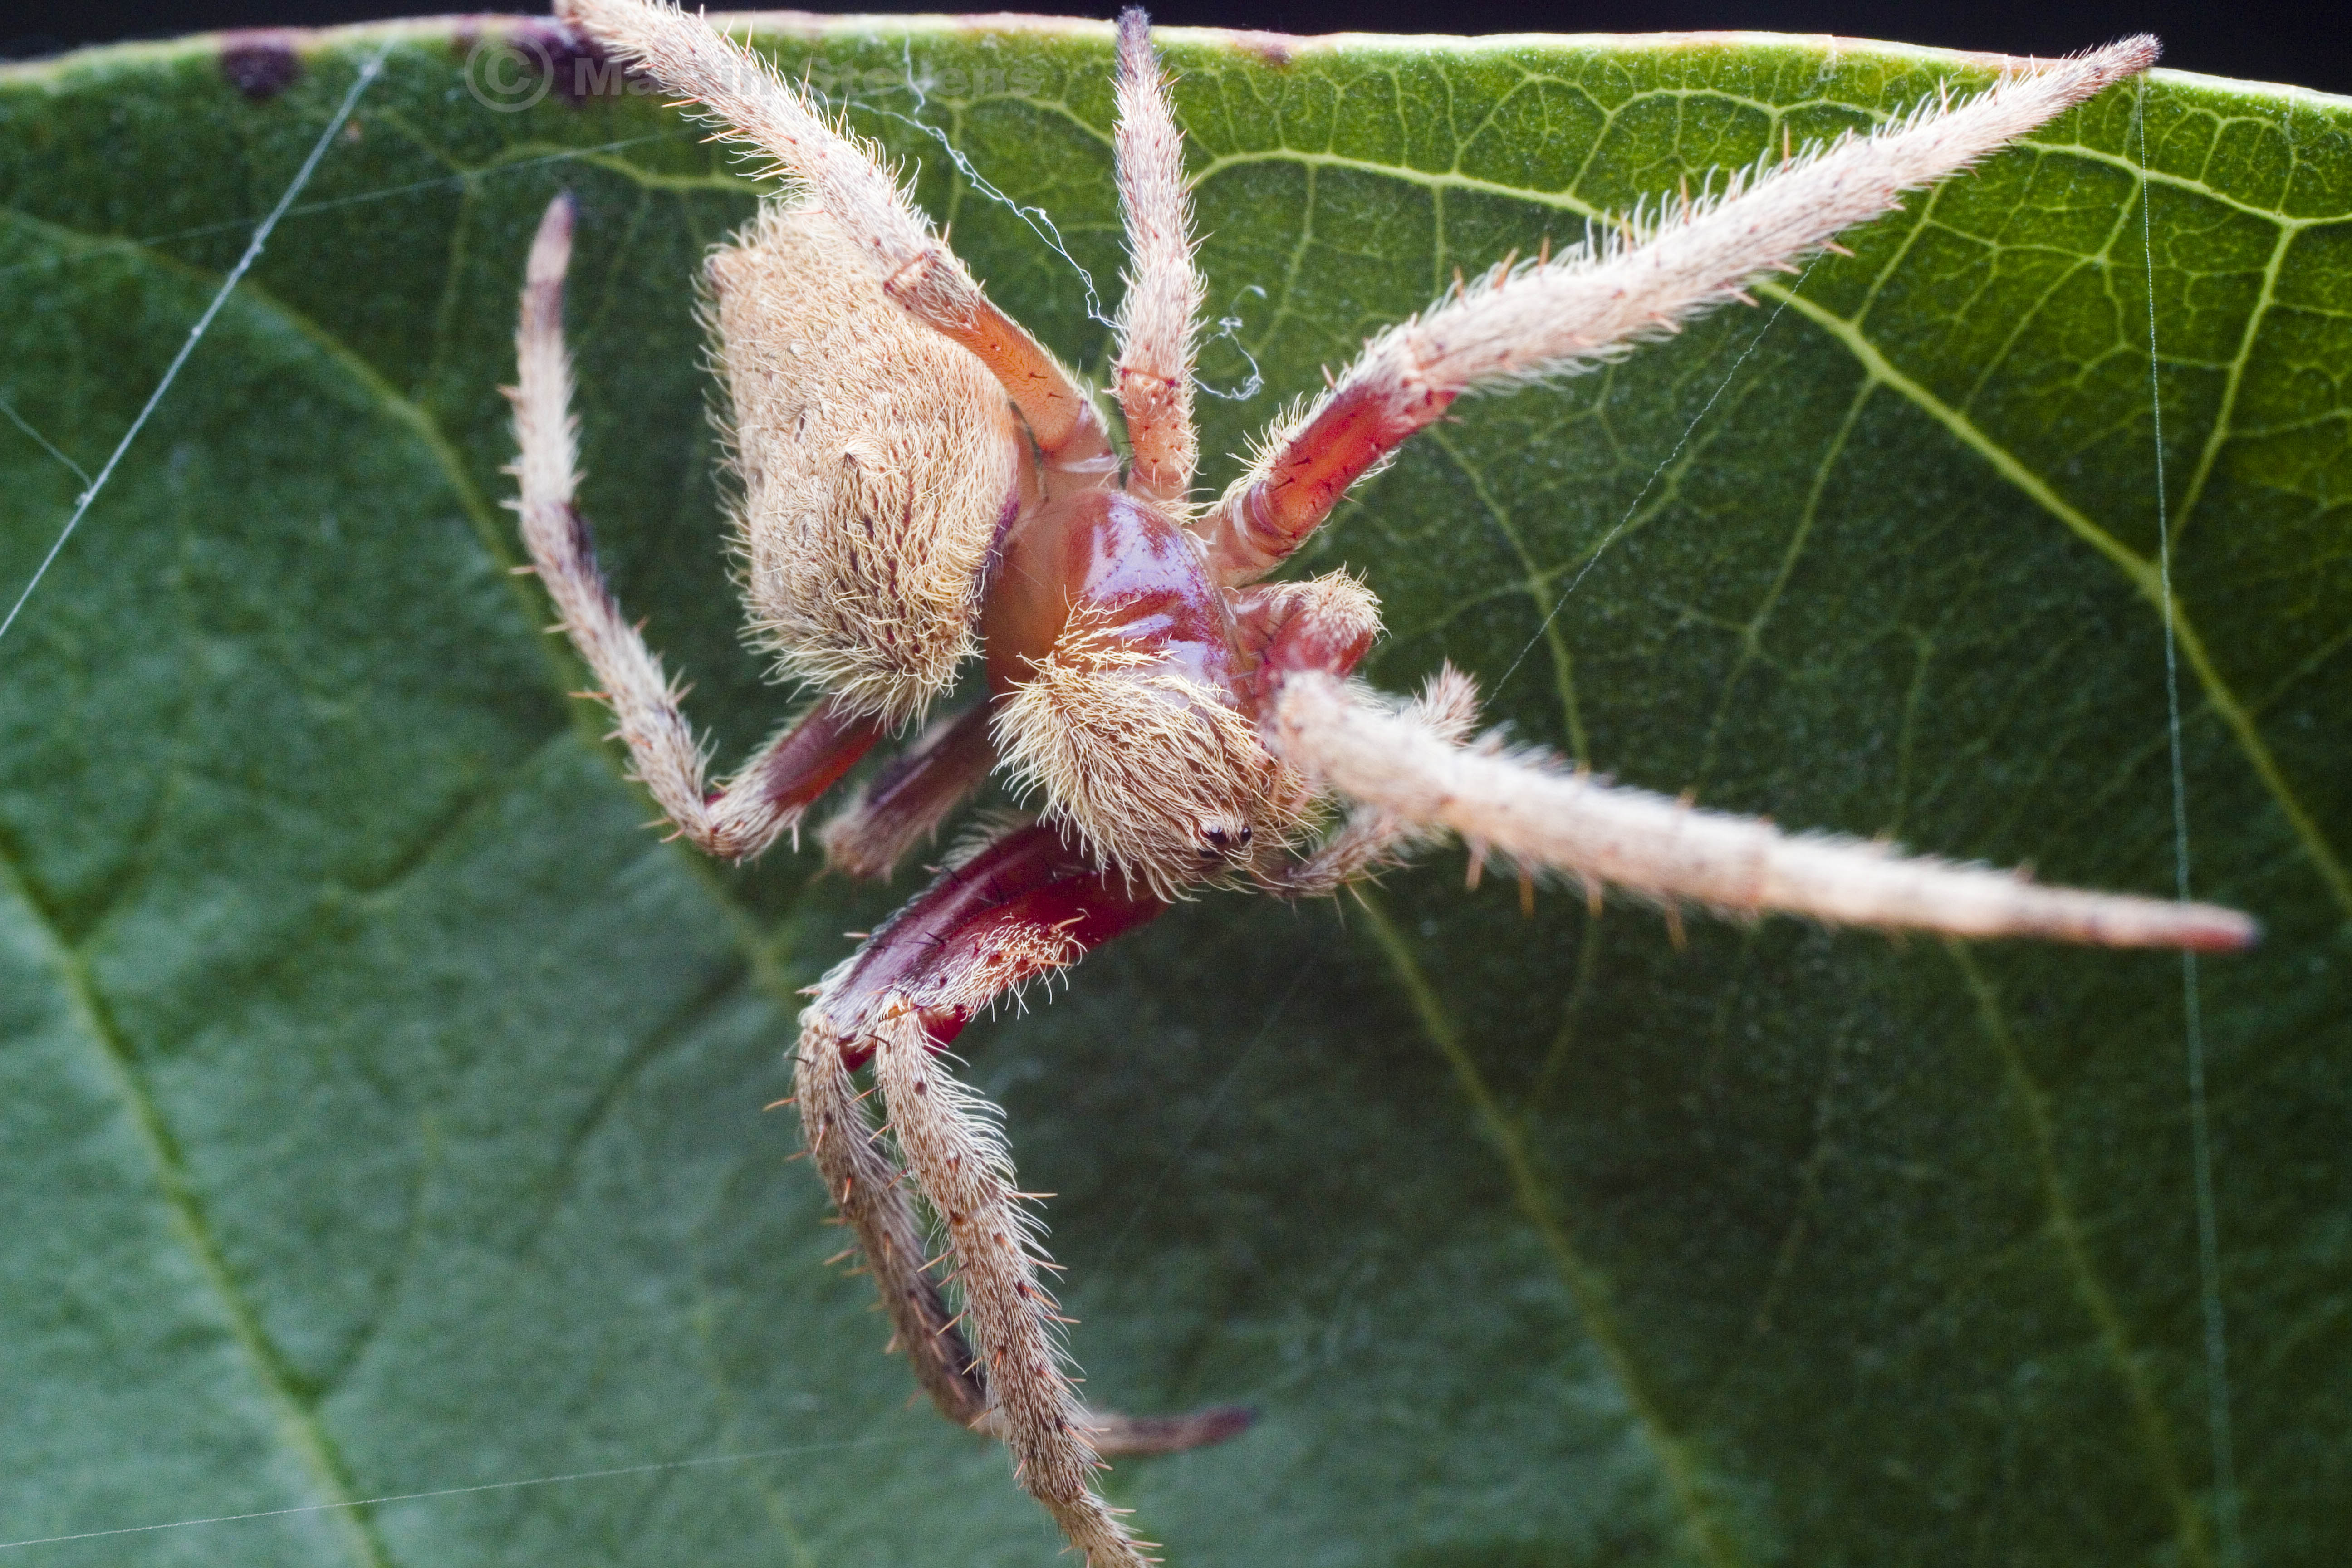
{"points": [[872, 460], [1157, 776]]}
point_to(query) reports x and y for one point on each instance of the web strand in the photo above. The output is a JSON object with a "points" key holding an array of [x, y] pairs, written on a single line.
{"points": [[2209, 1247], [368, 74], [656, 1468], [1649, 484], [1039, 221], [43, 441], [1216, 1102], [457, 182]]}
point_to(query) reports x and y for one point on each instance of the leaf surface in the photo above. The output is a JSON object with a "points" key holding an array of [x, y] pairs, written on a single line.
{"points": [[382, 1099]]}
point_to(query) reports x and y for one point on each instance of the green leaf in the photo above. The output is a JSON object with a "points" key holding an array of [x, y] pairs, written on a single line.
{"points": [[382, 1099]]}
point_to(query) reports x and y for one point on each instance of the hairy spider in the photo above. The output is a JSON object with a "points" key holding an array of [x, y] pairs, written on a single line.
{"points": [[919, 479]]}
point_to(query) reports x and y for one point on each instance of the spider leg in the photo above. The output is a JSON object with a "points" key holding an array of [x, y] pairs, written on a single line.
{"points": [[1374, 838], [800, 762], [908, 800], [1162, 309], [1329, 623], [1588, 305], [1017, 910], [865, 1187], [1528, 808], [843, 174]]}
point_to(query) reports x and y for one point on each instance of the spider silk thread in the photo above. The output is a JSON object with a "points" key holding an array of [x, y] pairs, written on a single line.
{"points": [[2229, 1542], [368, 74], [43, 441], [457, 182], [1041, 224], [1649, 484], [655, 1468], [1216, 1102]]}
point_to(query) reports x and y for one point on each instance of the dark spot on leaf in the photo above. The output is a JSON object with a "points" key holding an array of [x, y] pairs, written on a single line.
{"points": [[577, 66], [260, 65]]}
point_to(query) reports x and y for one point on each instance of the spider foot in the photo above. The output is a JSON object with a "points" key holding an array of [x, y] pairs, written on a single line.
{"points": [[1115, 1434]]}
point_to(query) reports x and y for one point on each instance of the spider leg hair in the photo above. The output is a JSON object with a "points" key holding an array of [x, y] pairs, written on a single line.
{"points": [[954, 1144], [1374, 839], [864, 1185], [1160, 315], [1589, 304], [1004, 912], [804, 760], [1525, 807], [843, 173]]}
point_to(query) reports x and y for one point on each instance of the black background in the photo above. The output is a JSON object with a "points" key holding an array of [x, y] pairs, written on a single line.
{"points": [[2300, 41]]}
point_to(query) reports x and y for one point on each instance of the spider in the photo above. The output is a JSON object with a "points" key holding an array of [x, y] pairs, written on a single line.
{"points": [[918, 480]]}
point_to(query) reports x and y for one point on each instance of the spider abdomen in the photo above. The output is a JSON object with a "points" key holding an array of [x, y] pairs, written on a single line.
{"points": [[874, 462]]}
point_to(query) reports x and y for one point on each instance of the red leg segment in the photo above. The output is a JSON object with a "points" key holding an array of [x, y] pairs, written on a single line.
{"points": [[1327, 623], [1271, 512], [784, 777], [1025, 905], [911, 795]]}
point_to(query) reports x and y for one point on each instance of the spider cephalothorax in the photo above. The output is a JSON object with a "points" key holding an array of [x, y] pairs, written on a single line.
{"points": [[917, 480]]}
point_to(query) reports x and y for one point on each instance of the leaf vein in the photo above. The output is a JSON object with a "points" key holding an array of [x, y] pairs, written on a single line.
{"points": [[298, 1422], [2065, 1230], [1585, 1286]]}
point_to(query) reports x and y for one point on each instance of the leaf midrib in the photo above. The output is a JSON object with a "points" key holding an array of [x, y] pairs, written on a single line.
{"points": [[1586, 1288]]}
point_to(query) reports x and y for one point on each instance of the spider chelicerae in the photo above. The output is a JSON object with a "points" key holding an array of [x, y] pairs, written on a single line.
{"points": [[919, 480]]}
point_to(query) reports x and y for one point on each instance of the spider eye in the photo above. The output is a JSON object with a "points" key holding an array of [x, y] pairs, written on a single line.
{"points": [[1222, 839]]}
